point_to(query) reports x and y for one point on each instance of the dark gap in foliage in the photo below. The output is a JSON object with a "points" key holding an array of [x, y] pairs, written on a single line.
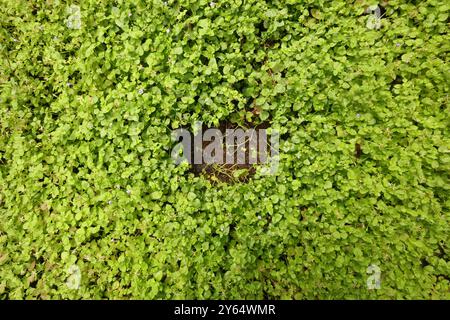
{"points": [[243, 40], [269, 221], [229, 172], [74, 77], [446, 277], [302, 210], [249, 104], [240, 85], [285, 136], [190, 43], [235, 103], [40, 260], [75, 170], [382, 11], [257, 64], [260, 28], [37, 140], [270, 43], [204, 60], [358, 150], [34, 11], [188, 12], [99, 235], [33, 282], [2, 158], [232, 227], [398, 80], [424, 262], [441, 250]]}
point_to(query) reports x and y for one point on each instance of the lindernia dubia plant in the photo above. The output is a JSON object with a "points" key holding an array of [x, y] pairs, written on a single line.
{"points": [[94, 205]]}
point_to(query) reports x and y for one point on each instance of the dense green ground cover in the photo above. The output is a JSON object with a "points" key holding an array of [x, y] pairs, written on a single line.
{"points": [[87, 182]]}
